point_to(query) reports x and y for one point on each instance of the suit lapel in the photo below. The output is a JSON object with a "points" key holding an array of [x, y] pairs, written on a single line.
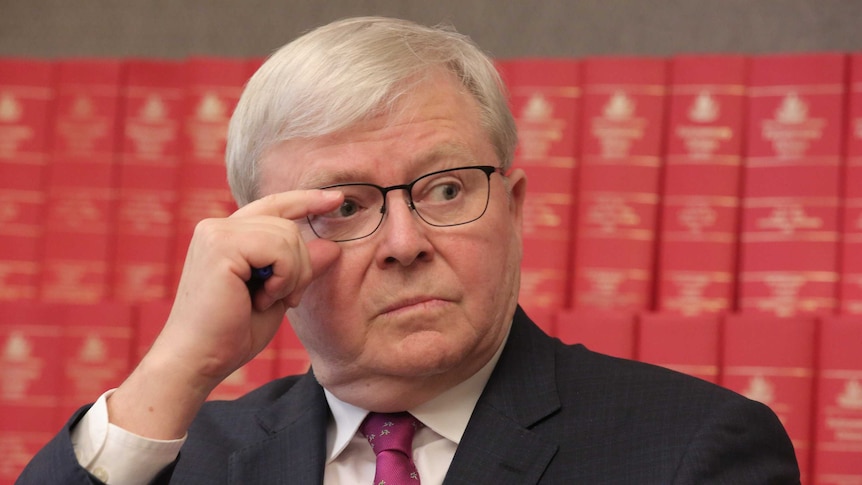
{"points": [[498, 446], [295, 447]]}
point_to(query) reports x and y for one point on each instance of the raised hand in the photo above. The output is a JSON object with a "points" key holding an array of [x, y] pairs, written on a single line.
{"points": [[216, 325]]}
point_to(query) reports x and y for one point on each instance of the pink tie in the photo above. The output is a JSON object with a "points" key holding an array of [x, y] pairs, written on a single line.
{"points": [[391, 438]]}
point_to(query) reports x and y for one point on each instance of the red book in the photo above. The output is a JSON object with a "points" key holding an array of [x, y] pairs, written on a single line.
{"points": [[96, 352], [771, 359], [791, 194], [153, 114], [851, 242], [292, 358], [26, 100], [700, 204], [30, 343], [611, 332], [838, 422], [81, 182], [688, 344], [213, 87], [621, 146], [545, 100]]}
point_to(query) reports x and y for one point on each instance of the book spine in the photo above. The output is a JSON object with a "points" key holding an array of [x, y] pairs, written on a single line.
{"points": [[153, 108], [851, 242], [701, 181], [838, 418], [213, 87], [780, 376], [611, 332], [26, 101], [96, 351], [545, 100], [30, 347], [687, 344], [791, 194], [621, 139], [81, 182]]}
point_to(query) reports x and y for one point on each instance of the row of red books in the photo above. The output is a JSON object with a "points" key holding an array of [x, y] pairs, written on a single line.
{"points": [[694, 184], [57, 357], [106, 165]]}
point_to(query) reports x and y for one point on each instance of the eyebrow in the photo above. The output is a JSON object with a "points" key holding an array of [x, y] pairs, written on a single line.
{"points": [[455, 153]]}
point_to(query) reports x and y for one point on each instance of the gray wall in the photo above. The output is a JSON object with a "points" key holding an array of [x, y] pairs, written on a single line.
{"points": [[165, 28]]}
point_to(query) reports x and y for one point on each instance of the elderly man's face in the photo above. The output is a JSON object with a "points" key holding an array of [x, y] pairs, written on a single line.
{"points": [[411, 303]]}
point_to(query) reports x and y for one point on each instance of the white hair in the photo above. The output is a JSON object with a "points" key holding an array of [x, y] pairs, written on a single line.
{"points": [[346, 71]]}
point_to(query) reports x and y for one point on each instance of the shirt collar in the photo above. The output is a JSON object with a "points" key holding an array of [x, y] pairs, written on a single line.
{"points": [[446, 414]]}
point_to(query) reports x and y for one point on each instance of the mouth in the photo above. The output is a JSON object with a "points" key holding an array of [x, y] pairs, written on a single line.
{"points": [[407, 305]]}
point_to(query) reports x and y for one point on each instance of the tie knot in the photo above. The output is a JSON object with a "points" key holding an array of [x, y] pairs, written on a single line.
{"points": [[390, 431]]}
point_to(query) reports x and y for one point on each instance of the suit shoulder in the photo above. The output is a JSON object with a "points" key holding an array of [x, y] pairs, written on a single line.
{"points": [[588, 371]]}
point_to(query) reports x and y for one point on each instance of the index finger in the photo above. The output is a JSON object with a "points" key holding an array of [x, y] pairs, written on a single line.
{"points": [[293, 204]]}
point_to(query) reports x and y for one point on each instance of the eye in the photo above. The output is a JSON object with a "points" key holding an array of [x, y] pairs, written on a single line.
{"points": [[443, 191], [347, 208]]}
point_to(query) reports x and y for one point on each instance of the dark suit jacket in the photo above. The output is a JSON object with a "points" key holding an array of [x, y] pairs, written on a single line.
{"points": [[550, 413]]}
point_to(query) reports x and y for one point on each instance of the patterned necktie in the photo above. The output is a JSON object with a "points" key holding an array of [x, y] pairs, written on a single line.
{"points": [[391, 438]]}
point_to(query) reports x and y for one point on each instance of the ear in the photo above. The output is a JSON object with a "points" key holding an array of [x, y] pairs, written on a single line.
{"points": [[517, 186]]}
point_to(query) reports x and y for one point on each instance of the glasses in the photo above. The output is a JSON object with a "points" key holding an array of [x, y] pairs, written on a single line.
{"points": [[444, 198]]}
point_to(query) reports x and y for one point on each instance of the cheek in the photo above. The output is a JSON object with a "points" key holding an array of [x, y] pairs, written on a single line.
{"points": [[320, 319]]}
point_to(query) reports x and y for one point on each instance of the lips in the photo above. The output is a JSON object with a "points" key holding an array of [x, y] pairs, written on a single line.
{"points": [[405, 304]]}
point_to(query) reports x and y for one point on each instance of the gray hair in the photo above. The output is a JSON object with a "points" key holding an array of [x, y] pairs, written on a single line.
{"points": [[346, 71]]}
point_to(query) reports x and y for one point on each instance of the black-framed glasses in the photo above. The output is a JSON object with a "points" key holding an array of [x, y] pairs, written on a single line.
{"points": [[444, 198]]}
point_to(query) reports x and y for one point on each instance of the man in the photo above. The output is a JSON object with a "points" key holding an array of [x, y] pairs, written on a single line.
{"points": [[371, 160]]}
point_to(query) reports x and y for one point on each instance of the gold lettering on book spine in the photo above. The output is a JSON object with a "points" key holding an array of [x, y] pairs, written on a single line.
{"points": [[151, 129], [842, 413], [791, 131]]}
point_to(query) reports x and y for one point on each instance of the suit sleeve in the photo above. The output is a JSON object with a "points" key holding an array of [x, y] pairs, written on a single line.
{"points": [[742, 442], [56, 462]]}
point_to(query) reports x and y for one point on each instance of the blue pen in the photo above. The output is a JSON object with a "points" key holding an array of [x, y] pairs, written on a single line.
{"points": [[258, 277]]}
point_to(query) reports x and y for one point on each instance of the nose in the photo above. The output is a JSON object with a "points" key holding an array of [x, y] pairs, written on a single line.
{"points": [[403, 238]]}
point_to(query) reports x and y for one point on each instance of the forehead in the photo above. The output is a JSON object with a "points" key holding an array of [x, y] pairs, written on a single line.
{"points": [[433, 126]]}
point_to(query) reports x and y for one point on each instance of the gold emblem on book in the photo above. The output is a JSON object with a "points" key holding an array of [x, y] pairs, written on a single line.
{"points": [[704, 108], [10, 108], [17, 348], [792, 110], [619, 107], [82, 108], [154, 109], [537, 108], [851, 396], [211, 109], [760, 389], [93, 350]]}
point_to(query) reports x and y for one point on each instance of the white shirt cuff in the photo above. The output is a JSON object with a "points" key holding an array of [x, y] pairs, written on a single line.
{"points": [[116, 456]]}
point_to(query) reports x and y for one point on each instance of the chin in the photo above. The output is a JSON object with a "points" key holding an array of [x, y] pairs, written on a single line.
{"points": [[427, 354]]}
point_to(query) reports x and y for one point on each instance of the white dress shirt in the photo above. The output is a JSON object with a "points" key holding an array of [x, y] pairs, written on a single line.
{"points": [[117, 456]]}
